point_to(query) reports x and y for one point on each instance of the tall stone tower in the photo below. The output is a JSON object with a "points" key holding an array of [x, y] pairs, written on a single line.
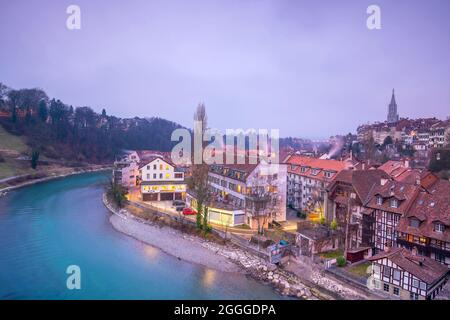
{"points": [[392, 110]]}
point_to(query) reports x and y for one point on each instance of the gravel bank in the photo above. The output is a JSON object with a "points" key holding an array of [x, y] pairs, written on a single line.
{"points": [[173, 242]]}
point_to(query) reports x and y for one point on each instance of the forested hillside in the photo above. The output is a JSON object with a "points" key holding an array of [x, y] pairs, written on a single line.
{"points": [[61, 131]]}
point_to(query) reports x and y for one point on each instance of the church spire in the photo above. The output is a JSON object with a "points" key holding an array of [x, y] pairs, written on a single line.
{"points": [[392, 110], [393, 97]]}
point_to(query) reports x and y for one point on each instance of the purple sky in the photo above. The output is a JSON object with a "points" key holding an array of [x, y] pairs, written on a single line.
{"points": [[309, 68]]}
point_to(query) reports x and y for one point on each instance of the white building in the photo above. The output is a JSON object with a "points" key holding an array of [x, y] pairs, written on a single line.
{"points": [[231, 184], [161, 181]]}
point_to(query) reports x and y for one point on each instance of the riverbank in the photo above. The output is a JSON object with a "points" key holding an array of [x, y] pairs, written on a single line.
{"points": [[26, 180], [226, 258]]}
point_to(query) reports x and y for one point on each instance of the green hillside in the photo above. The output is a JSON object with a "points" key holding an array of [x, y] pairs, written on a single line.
{"points": [[11, 147]]}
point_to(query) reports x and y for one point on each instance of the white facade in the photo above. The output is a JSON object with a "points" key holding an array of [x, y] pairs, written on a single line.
{"points": [[160, 181], [160, 170]]}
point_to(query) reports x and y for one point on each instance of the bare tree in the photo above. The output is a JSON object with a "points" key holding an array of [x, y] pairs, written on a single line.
{"points": [[199, 179], [262, 200]]}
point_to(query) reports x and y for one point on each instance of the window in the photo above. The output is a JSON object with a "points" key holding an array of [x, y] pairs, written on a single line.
{"points": [[148, 176], [160, 175], [154, 167], [178, 175], [415, 283], [413, 296], [148, 167], [413, 222], [154, 176], [396, 275], [386, 271], [439, 227], [376, 269], [394, 203], [423, 286], [379, 201], [396, 291], [386, 287]]}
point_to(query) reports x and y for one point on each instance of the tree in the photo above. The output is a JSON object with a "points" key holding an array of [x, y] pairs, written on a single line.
{"points": [[199, 180], [117, 193], [34, 159], [261, 200], [13, 98], [387, 141], [42, 110], [369, 146], [103, 112]]}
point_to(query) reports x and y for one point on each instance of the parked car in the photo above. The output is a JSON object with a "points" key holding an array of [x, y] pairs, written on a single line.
{"points": [[189, 211], [177, 203]]}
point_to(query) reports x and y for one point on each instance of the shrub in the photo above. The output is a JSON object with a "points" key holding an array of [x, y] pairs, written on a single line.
{"points": [[333, 225], [341, 261], [322, 220], [117, 193]]}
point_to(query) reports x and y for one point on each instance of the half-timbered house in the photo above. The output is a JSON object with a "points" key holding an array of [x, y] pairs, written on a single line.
{"points": [[403, 275]]}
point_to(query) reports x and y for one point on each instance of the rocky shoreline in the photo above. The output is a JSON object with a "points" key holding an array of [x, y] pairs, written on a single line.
{"points": [[226, 258]]}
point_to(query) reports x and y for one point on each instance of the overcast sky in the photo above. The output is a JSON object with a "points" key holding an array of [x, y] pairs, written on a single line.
{"points": [[309, 68]]}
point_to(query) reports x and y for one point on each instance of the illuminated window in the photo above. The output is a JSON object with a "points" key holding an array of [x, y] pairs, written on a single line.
{"points": [[160, 167], [167, 167], [167, 175]]}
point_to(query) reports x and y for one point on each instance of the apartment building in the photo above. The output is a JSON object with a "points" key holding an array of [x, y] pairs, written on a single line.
{"points": [[307, 181], [231, 185]]}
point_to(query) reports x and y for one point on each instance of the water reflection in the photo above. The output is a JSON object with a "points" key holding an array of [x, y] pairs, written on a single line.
{"points": [[151, 252], [209, 277]]}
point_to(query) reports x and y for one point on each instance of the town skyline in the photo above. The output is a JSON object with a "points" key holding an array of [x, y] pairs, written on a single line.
{"points": [[276, 60]]}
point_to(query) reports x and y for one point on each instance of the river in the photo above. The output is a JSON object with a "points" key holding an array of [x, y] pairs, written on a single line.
{"points": [[46, 227]]}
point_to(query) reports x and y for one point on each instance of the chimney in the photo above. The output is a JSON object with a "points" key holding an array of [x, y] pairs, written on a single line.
{"points": [[406, 163], [383, 181]]}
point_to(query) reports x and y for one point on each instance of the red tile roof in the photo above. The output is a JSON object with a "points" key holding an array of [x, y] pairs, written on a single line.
{"points": [[296, 162], [424, 268], [430, 206], [362, 181], [405, 194]]}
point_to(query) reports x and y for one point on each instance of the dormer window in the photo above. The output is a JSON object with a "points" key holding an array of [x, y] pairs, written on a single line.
{"points": [[439, 227], [379, 200], [303, 169], [328, 174], [413, 222], [315, 172], [394, 203]]}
